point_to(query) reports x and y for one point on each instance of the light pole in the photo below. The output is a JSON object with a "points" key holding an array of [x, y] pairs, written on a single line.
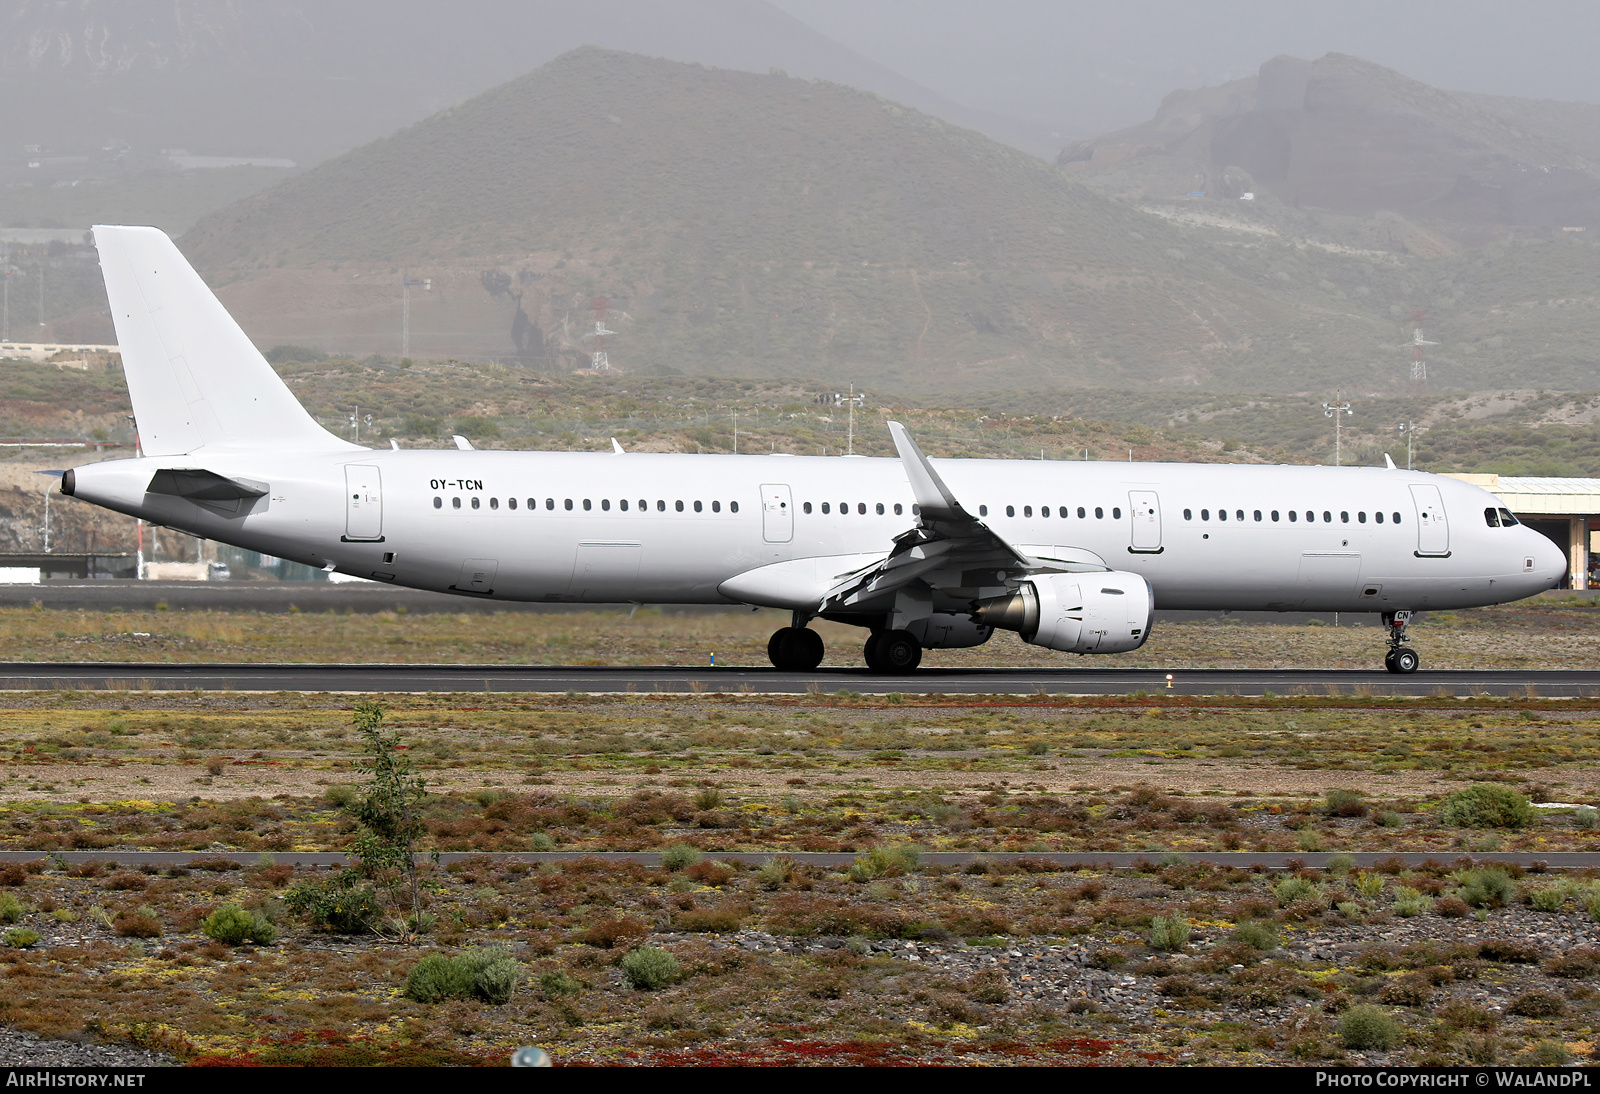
{"points": [[852, 401], [1408, 430], [1333, 410]]}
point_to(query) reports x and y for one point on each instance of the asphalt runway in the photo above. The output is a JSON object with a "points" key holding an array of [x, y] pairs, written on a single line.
{"points": [[165, 676]]}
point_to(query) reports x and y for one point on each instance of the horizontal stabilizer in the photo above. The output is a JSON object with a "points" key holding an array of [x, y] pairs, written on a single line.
{"points": [[197, 484]]}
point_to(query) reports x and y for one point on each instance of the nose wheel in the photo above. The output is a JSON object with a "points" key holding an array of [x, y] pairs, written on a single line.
{"points": [[1401, 658]]}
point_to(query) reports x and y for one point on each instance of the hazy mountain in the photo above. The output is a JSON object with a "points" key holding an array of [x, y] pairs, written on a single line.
{"points": [[767, 226], [304, 81], [741, 224], [1342, 135]]}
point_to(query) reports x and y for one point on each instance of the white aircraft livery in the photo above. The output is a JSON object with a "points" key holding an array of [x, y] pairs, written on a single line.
{"points": [[922, 554]]}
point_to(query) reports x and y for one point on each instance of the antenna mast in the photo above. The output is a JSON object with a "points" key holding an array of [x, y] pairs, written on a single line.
{"points": [[1419, 358], [597, 355]]}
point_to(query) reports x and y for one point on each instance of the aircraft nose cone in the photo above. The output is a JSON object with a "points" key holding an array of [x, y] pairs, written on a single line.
{"points": [[1549, 560]]}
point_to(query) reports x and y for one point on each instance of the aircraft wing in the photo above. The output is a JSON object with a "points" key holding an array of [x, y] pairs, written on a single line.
{"points": [[948, 547]]}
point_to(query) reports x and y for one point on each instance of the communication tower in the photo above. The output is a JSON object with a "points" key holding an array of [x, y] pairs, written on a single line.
{"points": [[1419, 352], [597, 352]]}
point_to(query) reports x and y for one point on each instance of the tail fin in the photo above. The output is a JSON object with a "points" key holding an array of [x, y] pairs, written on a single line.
{"points": [[196, 380]]}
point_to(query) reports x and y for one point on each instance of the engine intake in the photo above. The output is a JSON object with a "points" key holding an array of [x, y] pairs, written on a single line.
{"points": [[1107, 612]]}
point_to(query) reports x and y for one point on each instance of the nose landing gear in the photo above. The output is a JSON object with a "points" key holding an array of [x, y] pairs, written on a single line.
{"points": [[1401, 658]]}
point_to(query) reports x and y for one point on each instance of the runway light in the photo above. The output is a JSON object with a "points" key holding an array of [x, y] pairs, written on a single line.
{"points": [[1169, 681]]}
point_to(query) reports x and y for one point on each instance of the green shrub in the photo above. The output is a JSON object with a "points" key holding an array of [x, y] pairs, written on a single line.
{"points": [[1169, 933], [1486, 887], [1389, 819], [1256, 935], [1409, 902], [555, 983], [1370, 885], [341, 795], [886, 860], [1486, 805], [488, 973], [1349, 909], [680, 856], [1341, 864], [233, 925], [10, 908], [1548, 898], [1369, 1027], [342, 904], [1290, 889], [776, 872], [1537, 1004], [21, 937], [1585, 817], [1346, 803], [649, 967]]}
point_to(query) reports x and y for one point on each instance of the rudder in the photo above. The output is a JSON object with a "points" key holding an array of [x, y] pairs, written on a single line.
{"points": [[195, 378]]}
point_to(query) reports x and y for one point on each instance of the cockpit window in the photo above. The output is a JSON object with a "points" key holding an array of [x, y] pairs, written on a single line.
{"points": [[1507, 520], [1491, 517]]}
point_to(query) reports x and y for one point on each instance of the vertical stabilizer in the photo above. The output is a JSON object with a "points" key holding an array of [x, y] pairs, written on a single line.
{"points": [[196, 380]]}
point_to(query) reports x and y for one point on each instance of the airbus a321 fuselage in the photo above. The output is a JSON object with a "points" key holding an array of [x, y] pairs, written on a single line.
{"points": [[1074, 556]]}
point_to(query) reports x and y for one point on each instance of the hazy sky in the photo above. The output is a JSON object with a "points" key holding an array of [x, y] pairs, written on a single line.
{"points": [[1084, 68]]}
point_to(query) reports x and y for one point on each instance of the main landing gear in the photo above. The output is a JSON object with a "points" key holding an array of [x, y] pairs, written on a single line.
{"points": [[795, 649], [895, 652], [1401, 658]]}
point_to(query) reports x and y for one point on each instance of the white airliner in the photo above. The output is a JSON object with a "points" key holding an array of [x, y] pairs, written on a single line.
{"points": [[922, 554]]}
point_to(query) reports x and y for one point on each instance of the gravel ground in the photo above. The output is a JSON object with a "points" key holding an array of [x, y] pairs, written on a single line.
{"points": [[19, 1049]]}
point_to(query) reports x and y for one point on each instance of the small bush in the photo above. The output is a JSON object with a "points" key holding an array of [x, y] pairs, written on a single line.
{"points": [[1486, 805], [1291, 889], [11, 908], [1256, 935], [233, 925], [1169, 933], [1346, 803], [1486, 887], [488, 973], [341, 904], [1370, 885], [1585, 817], [1547, 1053], [776, 872], [1408, 902], [886, 860], [1510, 952], [1549, 898], [127, 882], [1537, 1004], [556, 984], [619, 932], [1369, 1027], [1389, 819], [21, 937], [649, 968], [1451, 907], [137, 925], [680, 856], [1575, 964]]}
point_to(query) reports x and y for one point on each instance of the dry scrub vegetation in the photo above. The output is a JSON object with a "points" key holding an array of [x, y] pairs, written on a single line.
{"points": [[888, 960], [1538, 634]]}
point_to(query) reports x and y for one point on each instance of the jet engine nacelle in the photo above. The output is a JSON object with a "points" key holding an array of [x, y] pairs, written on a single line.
{"points": [[1107, 612]]}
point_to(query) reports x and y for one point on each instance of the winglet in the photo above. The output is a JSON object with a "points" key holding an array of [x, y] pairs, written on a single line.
{"points": [[1387, 462], [929, 490], [617, 448], [462, 443]]}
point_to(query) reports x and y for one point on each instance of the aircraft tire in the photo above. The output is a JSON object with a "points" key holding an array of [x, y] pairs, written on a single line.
{"points": [[1406, 661], [869, 652], [808, 649], [775, 647], [898, 652]]}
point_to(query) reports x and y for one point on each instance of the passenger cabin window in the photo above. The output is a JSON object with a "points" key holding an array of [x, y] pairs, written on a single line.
{"points": [[1062, 512], [550, 503], [1274, 514], [880, 508], [1378, 517], [1188, 514], [1205, 514], [697, 507], [1344, 518], [511, 503], [661, 506], [568, 503], [1222, 514], [1099, 513], [605, 505], [1238, 514], [716, 507], [476, 503], [861, 508], [1080, 512], [898, 509], [494, 503], [1027, 510], [1361, 517], [1395, 517], [1258, 516], [438, 503], [825, 508], [1293, 516], [733, 507], [983, 510], [806, 508], [678, 506], [623, 505]]}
